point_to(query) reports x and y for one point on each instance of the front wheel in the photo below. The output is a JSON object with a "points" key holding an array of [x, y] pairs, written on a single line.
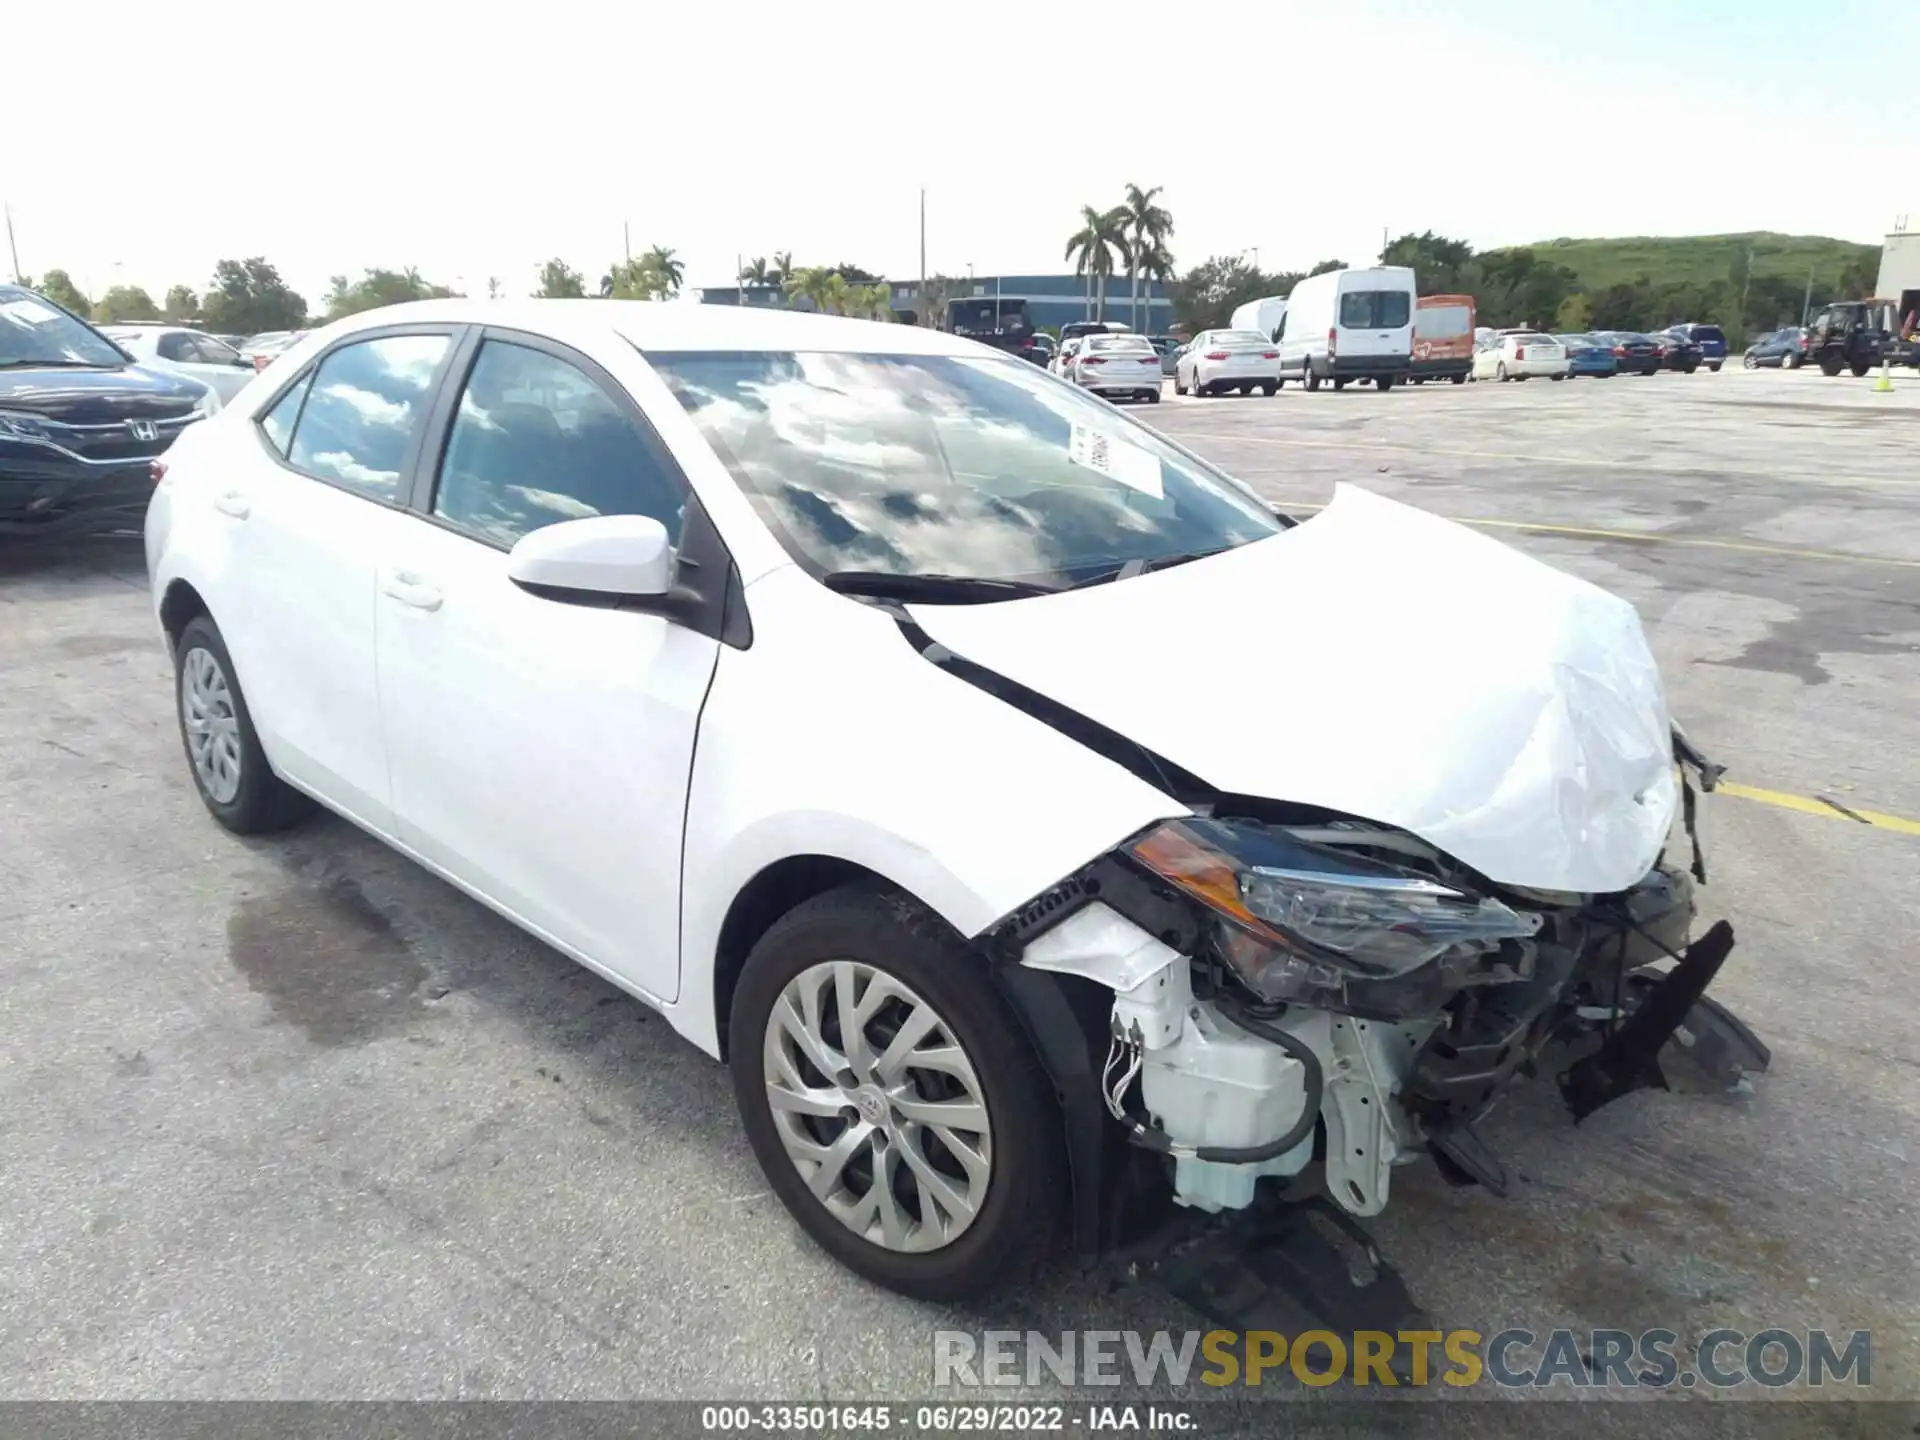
{"points": [[1500, 371], [1383, 382], [1556, 377], [229, 767], [892, 1099], [1714, 366], [1459, 379], [1858, 368], [1310, 377], [1750, 362]]}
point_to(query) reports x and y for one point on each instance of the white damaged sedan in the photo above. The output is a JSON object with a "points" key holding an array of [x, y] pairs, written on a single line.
{"points": [[1046, 832]]}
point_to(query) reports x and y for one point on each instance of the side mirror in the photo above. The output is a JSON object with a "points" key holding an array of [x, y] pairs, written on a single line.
{"points": [[606, 556]]}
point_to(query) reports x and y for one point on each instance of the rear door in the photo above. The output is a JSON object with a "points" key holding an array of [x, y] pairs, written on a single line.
{"points": [[1374, 318], [314, 498]]}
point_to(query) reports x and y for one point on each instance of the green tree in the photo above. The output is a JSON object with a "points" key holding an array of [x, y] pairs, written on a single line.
{"points": [[1574, 315], [560, 281], [667, 267], [1440, 266], [1094, 248], [812, 285], [58, 287], [782, 267], [181, 306], [757, 272], [1517, 287], [248, 297], [377, 288], [1207, 295], [1327, 267], [930, 308], [1148, 226], [1859, 277], [125, 302]]}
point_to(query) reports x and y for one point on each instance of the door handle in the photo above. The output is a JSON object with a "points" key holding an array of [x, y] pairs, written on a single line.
{"points": [[411, 590], [234, 503]]}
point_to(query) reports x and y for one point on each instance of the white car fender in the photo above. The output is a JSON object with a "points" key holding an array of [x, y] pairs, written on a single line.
{"points": [[882, 759]]}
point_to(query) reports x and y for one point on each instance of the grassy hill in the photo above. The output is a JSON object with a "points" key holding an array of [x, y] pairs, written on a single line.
{"points": [[1703, 259]]}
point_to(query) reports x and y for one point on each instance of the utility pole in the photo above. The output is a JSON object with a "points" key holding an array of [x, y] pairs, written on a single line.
{"points": [[921, 303], [1746, 282], [12, 248], [626, 240], [1806, 306]]}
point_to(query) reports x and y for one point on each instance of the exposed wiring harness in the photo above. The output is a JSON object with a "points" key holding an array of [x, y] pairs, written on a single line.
{"points": [[1125, 1057]]}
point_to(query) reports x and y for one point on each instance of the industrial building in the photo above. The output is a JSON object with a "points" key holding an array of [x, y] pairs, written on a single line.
{"points": [[1900, 270], [1040, 302]]}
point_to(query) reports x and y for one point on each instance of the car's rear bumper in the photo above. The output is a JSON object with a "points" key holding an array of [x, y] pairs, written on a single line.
{"points": [[1347, 367], [1238, 372], [1537, 367], [1608, 366], [1442, 367]]}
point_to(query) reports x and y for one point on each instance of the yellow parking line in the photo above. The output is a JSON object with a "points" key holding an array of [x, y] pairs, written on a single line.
{"points": [[1653, 537], [1814, 805]]}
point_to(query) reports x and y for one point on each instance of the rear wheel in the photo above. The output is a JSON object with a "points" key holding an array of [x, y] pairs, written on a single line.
{"points": [[229, 768], [1244, 389], [1383, 382], [1270, 387], [1309, 376], [1556, 377], [1500, 371], [1459, 379], [1859, 367], [1829, 365], [1714, 366], [1152, 397], [1339, 382], [892, 1099]]}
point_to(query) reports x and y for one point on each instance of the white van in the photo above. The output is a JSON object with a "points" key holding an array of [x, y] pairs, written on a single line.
{"points": [[1349, 325], [1262, 315]]}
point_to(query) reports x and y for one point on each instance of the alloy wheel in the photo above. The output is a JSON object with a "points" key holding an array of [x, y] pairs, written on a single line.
{"points": [[878, 1106], [213, 729]]}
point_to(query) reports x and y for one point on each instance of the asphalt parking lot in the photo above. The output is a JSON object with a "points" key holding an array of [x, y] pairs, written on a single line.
{"points": [[294, 1119]]}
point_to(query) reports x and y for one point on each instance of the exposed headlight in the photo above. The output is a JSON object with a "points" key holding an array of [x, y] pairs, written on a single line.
{"points": [[1301, 917], [22, 425]]}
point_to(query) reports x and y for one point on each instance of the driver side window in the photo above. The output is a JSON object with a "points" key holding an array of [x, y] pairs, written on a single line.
{"points": [[537, 441]]}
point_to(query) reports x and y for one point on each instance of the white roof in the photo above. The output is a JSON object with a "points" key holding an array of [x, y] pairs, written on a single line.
{"points": [[675, 325]]}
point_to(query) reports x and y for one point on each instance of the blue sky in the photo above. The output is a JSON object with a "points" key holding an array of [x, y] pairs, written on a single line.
{"points": [[330, 135]]}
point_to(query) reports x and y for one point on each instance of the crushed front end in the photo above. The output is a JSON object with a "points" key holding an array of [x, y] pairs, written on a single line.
{"points": [[1302, 1002]]}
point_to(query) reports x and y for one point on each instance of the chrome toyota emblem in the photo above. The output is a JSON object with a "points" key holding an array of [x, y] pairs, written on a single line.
{"points": [[144, 429]]}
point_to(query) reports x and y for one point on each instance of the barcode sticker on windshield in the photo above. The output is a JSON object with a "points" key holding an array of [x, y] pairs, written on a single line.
{"points": [[1117, 459], [31, 311]]}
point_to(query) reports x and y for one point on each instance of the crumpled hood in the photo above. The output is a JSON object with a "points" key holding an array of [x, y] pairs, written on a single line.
{"points": [[1379, 661]]}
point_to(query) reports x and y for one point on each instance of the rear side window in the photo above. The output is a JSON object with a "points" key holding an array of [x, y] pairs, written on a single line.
{"points": [[1375, 309], [177, 347], [1442, 322], [277, 423], [365, 403], [1708, 333]]}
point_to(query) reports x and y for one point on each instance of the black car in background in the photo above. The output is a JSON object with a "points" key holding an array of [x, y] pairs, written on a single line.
{"points": [[1711, 339], [80, 423], [1785, 348], [1847, 335], [1679, 352], [1638, 354]]}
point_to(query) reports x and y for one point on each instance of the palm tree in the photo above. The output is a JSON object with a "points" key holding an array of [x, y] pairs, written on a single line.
{"points": [[1147, 226], [757, 273], [1155, 262], [662, 262], [782, 267], [815, 286], [1102, 236]]}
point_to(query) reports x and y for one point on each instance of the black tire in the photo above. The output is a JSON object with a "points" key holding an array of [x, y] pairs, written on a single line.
{"points": [[1500, 371], [262, 802], [1270, 387], [1791, 361], [1458, 379], [1178, 388], [1383, 382], [1018, 1223], [1339, 382], [1281, 382], [1750, 362], [1858, 368], [1556, 377], [1152, 397], [1714, 366], [1829, 366], [1309, 376]]}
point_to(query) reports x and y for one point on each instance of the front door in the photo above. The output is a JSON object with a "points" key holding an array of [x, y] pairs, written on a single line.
{"points": [[541, 750]]}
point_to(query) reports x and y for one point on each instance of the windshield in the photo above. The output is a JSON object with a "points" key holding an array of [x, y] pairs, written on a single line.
{"points": [[983, 468], [33, 332]]}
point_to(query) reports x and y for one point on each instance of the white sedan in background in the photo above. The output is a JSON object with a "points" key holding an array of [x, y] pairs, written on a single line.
{"points": [[1219, 360], [212, 362], [1117, 366], [1518, 354]]}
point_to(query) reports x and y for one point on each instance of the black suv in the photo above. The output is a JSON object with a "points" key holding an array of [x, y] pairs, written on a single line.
{"points": [[80, 422], [1846, 335]]}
